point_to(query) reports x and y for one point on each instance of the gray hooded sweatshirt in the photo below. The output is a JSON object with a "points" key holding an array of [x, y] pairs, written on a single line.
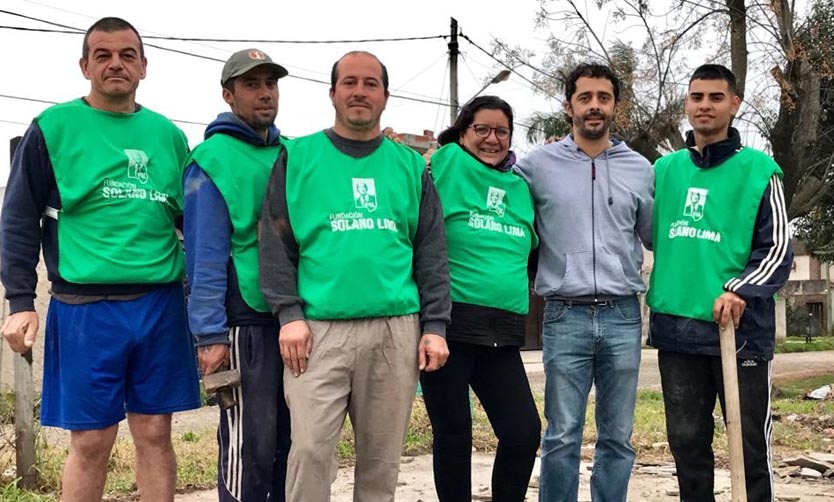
{"points": [[591, 215]]}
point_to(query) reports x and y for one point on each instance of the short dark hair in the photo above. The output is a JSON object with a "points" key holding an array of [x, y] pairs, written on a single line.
{"points": [[716, 72], [109, 25], [591, 70], [467, 116], [334, 72]]}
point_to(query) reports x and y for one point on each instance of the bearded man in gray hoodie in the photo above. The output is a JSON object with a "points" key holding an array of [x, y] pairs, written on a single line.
{"points": [[594, 198]]}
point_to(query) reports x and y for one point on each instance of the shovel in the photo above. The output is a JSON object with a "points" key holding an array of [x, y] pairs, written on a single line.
{"points": [[732, 411]]}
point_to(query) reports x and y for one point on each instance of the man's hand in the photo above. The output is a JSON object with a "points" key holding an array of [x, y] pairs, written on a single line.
{"points": [[211, 357], [20, 330], [433, 352], [726, 306], [296, 343]]}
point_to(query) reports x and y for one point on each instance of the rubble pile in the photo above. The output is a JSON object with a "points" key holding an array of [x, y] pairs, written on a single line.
{"points": [[810, 466]]}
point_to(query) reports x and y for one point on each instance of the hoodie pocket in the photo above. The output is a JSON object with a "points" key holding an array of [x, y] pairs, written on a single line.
{"points": [[579, 274], [610, 274], [586, 274]]}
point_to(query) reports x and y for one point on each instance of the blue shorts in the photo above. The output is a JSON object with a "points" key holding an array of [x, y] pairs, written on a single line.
{"points": [[106, 358]]}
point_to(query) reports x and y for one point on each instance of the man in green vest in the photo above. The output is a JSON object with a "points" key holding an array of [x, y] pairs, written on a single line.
{"points": [[225, 183], [722, 251], [354, 264], [97, 182]]}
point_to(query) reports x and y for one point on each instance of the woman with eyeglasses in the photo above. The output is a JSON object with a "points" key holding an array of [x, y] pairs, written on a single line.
{"points": [[488, 212]]}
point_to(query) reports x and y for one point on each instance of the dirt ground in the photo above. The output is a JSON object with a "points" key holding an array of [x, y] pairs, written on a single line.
{"points": [[416, 485], [416, 482], [785, 367]]}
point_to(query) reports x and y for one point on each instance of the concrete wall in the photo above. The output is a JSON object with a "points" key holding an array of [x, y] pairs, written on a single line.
{"points": [[801, 270], [781, 318]]}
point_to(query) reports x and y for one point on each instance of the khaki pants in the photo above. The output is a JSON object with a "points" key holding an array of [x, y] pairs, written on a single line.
{"points": [[366, 368]]}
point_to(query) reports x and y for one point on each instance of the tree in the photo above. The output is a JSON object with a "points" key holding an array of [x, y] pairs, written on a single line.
{"points": [[543, 126], [800, 136], [790, 56], [651, 106], [816, 229]]}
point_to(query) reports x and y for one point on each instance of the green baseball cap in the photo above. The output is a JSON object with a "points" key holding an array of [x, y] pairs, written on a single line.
{"points": [[242, 61]]}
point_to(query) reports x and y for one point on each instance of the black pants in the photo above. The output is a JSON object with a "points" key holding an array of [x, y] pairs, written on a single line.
{"points": [[690, 386], [497, 376], [254, 436]]}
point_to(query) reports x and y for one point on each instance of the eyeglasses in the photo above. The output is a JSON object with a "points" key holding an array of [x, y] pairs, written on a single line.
{"points": [[483, 130]]}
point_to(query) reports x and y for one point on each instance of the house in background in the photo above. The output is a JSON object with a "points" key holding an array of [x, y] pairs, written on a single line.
{"points": [[420, 142], [809, 294]]}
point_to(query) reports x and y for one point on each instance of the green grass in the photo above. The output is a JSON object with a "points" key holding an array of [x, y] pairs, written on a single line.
{"points": [[798, 388], [797, 344], [6, 409], [789, 437], [197, 450], [11, 493]]}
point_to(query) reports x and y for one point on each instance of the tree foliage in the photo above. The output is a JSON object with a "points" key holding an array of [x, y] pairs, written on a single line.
{"points": [[783, 60], [816, 229], [797, 137]]}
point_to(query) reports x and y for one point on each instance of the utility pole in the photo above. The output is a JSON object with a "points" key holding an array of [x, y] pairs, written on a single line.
{"points": [[453, 72]]}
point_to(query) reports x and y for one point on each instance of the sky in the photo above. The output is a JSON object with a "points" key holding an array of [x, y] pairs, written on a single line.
{"points": [[44, 66]]}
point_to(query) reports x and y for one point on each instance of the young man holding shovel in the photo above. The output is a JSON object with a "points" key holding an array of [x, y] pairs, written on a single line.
{"points": [[722, 250]]}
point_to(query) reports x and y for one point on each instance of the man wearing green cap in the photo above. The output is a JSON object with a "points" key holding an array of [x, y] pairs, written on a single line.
{"points": [[224, 187]]}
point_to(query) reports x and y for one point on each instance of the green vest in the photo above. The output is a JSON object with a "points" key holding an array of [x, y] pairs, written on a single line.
{"points": [[240, 171], [354, 221], [703, 228], [489, 230], [119, 176]]}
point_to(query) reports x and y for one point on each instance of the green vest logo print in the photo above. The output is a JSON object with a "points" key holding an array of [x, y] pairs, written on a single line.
{"points": [[364, 194], [137, 165], [495, 201], [696, 199]]}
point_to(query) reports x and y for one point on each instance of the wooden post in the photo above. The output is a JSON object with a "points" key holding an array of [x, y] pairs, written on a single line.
{"points": [[732, 412], [24, 430], [24, 406]]}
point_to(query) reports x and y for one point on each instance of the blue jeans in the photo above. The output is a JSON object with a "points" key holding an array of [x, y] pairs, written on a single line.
{"points": [[585, 344]]}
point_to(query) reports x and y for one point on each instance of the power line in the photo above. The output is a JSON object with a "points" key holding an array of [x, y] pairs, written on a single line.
{"points": [[34, 100], [13, 122], [505, 65], [271, 41], [75, 31], [50, 23], [209, 58], [48, 102]]}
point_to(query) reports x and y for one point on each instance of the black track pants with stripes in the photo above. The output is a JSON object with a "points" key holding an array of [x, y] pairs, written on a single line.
{"points": [[254, 436], [690, 385]]}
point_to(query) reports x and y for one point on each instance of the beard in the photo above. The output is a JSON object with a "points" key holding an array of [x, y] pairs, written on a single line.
{"points": [[262, 122], [595, 132], [360, 123]]}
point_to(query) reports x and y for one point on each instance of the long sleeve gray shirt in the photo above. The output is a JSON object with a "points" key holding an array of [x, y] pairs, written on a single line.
{"points": [[279, 252]]}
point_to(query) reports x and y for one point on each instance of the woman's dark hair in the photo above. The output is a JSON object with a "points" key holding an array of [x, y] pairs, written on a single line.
{"points": [[467, 116]]}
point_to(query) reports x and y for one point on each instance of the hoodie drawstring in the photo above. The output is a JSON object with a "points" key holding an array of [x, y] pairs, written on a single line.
{"points": [[608, 180]]}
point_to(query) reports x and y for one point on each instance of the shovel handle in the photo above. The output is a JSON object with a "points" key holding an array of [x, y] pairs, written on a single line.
{"points": [[732, 411]]}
